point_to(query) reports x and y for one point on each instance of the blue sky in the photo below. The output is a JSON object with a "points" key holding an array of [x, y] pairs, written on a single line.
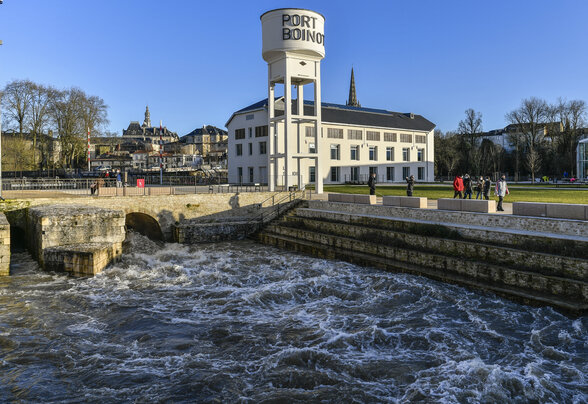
{"points": [[195, 62]]}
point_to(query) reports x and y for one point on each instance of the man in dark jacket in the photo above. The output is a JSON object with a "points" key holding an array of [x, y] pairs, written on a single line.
{"points": [[467, 186], [410, 185], [372, 184], [486, 190]]}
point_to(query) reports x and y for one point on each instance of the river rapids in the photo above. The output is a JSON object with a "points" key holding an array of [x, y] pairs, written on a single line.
{"points": [[241, 322]]}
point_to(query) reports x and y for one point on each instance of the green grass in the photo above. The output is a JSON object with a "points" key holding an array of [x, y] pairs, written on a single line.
{"points": [[522, 193]]}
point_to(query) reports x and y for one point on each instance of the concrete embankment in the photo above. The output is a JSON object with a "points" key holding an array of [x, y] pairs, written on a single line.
{"points": [[534, 260]]}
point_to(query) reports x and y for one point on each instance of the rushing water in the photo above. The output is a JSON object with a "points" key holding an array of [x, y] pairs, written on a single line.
{"points": [[242, 322]]}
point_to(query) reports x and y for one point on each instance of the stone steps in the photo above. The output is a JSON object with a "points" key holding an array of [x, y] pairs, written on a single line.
{"points": [[365, 259], [532, 266], [548, 264]]}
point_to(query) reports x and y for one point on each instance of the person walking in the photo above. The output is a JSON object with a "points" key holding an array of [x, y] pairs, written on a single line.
{"points": [[118, 179], [467, 186], [457, 186], [479, 188], [410, 185], [501, 191], [486, 188], [372, 184]]}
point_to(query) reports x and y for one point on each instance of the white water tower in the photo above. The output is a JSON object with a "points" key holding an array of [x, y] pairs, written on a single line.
{"points": [[293, 47]]}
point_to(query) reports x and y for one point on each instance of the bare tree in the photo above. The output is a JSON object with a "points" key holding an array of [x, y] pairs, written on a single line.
{"points": [[41, 98], [572, 117], [66, 112], [530, 120], [469, 130]]}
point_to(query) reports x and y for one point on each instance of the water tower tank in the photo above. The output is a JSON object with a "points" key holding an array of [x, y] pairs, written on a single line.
{"points": [[292, 30]]}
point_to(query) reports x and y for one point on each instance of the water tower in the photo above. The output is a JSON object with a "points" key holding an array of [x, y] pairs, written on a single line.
{"points": [[293, 47]]}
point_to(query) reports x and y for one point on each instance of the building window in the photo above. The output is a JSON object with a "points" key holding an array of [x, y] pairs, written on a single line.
{"points": [[249, 117], [250, 149], [389, 173], [240, 174], [374, 170], [405, 154], [420, 154], [405, 172], [334, 174], [333, 133], [355, 152], [354, 174], [390, 137], [251, 175], [371, 135], [335, 152], [262, 147], [261, 131], [250, 132], [309, 130], [239, 149], [389, 153], [312, 173], [421, 173], [354, 134], [373, 153], [240, 134], [420, 139], [405, 138], [311, 148]]}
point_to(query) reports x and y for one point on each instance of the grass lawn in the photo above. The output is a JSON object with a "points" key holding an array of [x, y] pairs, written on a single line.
{"points": [[522, 193]]}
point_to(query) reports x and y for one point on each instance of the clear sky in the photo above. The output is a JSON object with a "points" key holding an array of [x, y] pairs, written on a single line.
{"points": [[196, 62]]}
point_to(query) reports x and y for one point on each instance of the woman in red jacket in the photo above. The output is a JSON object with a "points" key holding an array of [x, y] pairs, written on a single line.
{"points": [[458, 186]]}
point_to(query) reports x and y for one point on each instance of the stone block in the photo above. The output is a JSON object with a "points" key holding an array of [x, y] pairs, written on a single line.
{"points": [[135, 191], [566, 211], [365, 199], [334, 197], [347, 198], [474, 205], [449, 204], [82, 259], [391, 200], [529, 209], [413, 202]]}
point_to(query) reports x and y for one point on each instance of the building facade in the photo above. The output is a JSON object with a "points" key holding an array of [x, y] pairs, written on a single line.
{"points": [[354, 143], [582, 159]]}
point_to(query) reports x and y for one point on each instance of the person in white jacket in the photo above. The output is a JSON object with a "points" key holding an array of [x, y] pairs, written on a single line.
{"points": [[501, 191]]}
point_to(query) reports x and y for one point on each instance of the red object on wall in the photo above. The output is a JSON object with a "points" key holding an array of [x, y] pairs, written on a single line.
{"points": [[140, 182]]}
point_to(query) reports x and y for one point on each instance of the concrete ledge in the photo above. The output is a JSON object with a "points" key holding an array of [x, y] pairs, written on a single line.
{"points": [[413, 202], [365, 199], [565, 211], [449, 204], [473, 205], [160, 191], [82, 259], [335, 197], [391, 200], [529, 209]]}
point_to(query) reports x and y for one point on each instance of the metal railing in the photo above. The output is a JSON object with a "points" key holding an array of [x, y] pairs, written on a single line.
{"points": [[280, 203]]}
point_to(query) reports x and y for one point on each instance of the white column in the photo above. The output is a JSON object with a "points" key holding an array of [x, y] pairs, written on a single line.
{"points": [[300, 132], [318, 129], [287, 122], [271, 169]]}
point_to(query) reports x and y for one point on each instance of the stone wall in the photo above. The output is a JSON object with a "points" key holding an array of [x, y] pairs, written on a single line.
{"points": [[4, 246], [168, 210], [72, 225]]}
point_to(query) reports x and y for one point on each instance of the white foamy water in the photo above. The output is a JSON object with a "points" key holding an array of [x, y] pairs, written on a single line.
{"points": [[242, 322]]}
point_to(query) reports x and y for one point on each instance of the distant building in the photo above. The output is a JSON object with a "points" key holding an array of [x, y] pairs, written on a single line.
{"points": [[210, 142], [148, 134], [503, 137]]}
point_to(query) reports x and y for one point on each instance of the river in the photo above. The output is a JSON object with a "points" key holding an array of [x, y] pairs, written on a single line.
{"points": [[243, 322]]}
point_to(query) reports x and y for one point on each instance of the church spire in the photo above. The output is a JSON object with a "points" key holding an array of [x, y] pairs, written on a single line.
{"points": [[352, 102], [147, 121]]}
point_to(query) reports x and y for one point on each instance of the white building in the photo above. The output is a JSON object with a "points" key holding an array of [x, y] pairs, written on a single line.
{"points": [[354, 142]]}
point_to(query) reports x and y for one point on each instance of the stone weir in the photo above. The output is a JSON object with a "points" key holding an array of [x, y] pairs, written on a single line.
{"points": [[80, 240], [534, 260]]}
